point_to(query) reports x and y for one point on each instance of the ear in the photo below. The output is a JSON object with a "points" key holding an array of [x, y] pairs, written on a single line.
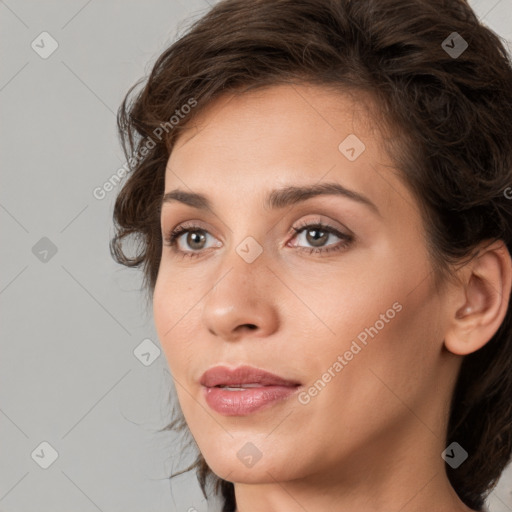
{"points": [[481, 301]]}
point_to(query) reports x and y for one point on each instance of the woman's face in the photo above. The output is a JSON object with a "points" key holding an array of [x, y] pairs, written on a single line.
{"points": [[347, 310]]}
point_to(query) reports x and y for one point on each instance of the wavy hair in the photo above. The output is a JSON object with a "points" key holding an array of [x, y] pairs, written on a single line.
{"points": [[451, 120]]}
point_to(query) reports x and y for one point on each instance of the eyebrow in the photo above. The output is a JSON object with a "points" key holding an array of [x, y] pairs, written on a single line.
{"points": [[277, 198]]}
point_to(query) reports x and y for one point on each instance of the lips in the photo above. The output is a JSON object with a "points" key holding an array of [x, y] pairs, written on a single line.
{"points": [[243, 377], [244, 390]]}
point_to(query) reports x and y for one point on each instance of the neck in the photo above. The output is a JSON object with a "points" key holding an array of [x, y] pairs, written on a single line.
{"points": [[396, 474], [412, 495]]}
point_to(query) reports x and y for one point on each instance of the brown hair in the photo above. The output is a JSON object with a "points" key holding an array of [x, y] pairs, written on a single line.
{"points": [[452, 121]]}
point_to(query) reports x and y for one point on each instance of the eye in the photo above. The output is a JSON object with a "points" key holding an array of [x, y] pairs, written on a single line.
{"points": [[317, 235], [195, 239]]}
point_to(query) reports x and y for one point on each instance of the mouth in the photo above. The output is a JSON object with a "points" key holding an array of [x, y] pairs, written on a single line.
{"points": [[244, 390], [242, 377]]}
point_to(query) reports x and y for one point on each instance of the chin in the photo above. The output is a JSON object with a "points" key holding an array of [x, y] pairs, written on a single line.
{"points": [[248, 464], [261, 473]]}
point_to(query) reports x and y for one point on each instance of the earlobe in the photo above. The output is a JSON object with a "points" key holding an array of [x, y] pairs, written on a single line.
{"points": [[486, 287]]}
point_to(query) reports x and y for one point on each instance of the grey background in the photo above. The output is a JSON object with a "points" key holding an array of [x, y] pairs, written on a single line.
{"points": [[71, 319]]}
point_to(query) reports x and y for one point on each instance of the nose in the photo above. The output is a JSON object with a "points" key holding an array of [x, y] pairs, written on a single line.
{"points": [[244, 300]]}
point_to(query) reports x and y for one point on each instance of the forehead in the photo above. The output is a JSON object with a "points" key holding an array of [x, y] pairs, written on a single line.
{"points": [[281, 135], [305, 111]]}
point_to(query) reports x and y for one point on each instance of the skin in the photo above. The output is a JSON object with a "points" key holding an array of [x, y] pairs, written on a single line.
{"points": [[372, 438]]}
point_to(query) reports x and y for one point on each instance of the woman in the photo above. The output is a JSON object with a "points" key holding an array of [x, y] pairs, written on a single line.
{"points": [[321, 190]]}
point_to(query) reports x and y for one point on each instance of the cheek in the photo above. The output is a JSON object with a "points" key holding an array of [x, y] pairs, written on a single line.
{"points": [[383, 323], [364, 304], [389, 356], [172, 315]]}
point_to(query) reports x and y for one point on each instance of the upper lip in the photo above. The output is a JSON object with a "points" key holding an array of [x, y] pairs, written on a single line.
{"points": [[224, 376]]}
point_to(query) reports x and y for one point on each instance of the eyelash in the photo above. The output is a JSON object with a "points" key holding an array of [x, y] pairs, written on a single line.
{"points": [[346, 240]]}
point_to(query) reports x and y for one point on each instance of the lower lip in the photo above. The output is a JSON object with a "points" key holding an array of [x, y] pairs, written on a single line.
{"points": [[239, 403]]}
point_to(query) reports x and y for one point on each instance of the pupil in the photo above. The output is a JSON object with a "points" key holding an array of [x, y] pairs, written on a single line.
{"points": [[194, 237], [314, 240]]}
